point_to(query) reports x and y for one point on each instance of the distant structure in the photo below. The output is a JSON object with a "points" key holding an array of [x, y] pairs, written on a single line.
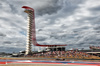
{"points": [[95, 47], [31, 34]]}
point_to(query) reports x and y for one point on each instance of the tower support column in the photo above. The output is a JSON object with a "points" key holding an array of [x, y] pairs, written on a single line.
{"points": [[29, 34]]}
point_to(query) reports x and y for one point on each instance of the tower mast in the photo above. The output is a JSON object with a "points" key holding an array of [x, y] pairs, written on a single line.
{"points": [[30, 30]]}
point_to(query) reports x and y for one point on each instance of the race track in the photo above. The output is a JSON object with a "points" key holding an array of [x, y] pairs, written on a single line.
{"points": [[47, 63]]}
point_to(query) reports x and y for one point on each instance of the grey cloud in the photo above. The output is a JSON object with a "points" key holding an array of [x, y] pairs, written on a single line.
{"points": [[50, 8], [4, 18], [93, 20], [41, 38], [13, 9], [65, 11], [70, 6], [49, 14], [7, 42], [43, 7], [10, 49], [95, 9], [39, 30], [63, 26], [2, 35], [92, 39], [90, 19], [57, 36], [97, 28], [13, 23]]}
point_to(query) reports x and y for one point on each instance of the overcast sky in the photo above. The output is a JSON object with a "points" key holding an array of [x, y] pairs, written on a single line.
{"points": [[72, 22]]}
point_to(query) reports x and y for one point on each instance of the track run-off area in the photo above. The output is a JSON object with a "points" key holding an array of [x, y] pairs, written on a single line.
{"points": [[49, 62]]}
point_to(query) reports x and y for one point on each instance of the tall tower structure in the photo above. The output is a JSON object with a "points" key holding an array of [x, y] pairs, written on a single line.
{"points": [[30, 30], [31, 34]]}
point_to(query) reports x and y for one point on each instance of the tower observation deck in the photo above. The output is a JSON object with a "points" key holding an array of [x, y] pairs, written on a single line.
{"points": [[31, 33]]}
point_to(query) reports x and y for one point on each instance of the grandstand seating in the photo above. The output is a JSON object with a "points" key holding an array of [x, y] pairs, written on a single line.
{"points": [[65, 54]]}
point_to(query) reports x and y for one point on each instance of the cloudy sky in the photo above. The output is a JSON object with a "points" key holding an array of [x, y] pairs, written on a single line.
{"points": [[72, 22]]}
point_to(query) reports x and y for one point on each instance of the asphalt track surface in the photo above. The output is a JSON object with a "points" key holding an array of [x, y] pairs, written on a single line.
{"points": [[46, 63], [40, 65], [35, 64]]}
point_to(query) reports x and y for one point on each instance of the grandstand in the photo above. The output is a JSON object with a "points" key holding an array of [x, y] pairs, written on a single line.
{"points": [[72, 54], [95, 47]]}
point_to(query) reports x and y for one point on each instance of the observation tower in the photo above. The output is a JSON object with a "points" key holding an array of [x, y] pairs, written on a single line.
{"points": [[31, 33]]}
